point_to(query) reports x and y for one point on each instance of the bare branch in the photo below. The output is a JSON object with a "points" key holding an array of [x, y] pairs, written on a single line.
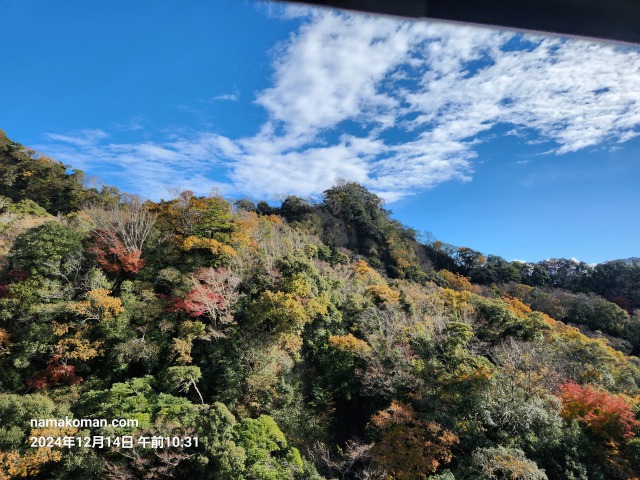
{"points": [[131, 220]]}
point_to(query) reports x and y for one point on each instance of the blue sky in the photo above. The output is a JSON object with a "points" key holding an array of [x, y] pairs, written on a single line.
{"points": [[517, 145]]}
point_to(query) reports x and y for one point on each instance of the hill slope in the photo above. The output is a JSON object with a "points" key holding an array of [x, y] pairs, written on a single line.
{"points": [[304, 341]]}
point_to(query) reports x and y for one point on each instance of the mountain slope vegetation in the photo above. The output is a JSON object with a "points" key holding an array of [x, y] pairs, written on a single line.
{"points": [[310, 340]]}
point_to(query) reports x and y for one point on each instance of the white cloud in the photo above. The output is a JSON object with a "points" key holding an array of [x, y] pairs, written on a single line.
{"points": [[263, 168], [330, 71], [148, 169], [82, 138], [225, 97], [421, 94], [440, 86]]}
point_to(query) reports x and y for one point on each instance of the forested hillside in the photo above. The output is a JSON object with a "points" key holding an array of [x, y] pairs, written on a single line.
{"points": [[310, 340]]}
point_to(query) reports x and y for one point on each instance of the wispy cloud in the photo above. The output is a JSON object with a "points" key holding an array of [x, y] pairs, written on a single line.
{"points": [[148, 169], [82, 138], [131, 126], [225, 97], [399, 106]]}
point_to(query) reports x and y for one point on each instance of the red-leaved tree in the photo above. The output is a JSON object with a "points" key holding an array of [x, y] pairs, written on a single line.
{"points": [[112, 255], [56, 373], [607, 416], [213, 295]]}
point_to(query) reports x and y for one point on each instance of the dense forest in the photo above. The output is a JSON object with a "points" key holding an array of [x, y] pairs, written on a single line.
{"points": [[317, 339]]}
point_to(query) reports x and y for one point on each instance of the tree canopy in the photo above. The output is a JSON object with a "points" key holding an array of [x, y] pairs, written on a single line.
{"points": [[318, 339]]}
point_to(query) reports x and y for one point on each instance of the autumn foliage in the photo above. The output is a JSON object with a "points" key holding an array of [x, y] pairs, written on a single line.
{"points": [[410, 448], [112, 256], [213, 295], [4, 341], [316, 319], [458, 282], [349, 343], [14, 465], [56, 373], [377, 286], [607, 416]]}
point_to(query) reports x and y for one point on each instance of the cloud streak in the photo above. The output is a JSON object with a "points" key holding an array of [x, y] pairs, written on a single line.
{"points": [[148, 169], [399, 106]]}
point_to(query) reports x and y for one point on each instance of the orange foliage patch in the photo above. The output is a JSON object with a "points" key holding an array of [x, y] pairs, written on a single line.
{"points": [[349, 343], [458, 282], [99, 305], [111, 254], [4, 342], [364, 272], [214, 246], [246, 225], [274, 219], [377, 286], [516, 306], [13, 464], [607, 416], [409, 448], [383, 294]]}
